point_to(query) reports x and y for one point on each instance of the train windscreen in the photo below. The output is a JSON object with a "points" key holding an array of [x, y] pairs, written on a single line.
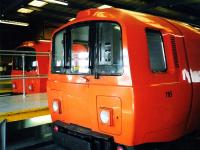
{"points": [[88, 48], [29, 59]]}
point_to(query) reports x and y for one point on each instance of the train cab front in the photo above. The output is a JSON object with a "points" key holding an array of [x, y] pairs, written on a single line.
{"points": [[16, 83], [24, 64], [89, 88]]}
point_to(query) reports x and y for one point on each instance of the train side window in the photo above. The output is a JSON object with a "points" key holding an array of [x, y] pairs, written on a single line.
{"points": [[156, 51], [18, 62], [110, 49], [29, 63], [58, 53]]}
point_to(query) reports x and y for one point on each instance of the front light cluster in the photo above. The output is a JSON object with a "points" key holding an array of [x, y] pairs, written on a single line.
{"points": [[106, 116], [14, 86], [30, 87], [56, 105]]}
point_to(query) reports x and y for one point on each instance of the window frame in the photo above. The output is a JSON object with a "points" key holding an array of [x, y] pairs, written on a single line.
{"points": [[70, 48], [53, 53], [115, 74], [95, 52], [32, 50]]}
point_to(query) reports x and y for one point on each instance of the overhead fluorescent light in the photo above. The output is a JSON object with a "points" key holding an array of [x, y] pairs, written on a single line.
{"points": [[14, 23], [24, 10], [37, 3], [197, 28], [57, 2], [104, 6], [71, 19]]}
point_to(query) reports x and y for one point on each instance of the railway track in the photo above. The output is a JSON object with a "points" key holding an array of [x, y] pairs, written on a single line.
{"points": [[186, 143]]}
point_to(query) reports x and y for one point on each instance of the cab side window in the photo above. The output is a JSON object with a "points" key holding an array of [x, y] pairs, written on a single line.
{"points": [[156, 51], [58, 55]]}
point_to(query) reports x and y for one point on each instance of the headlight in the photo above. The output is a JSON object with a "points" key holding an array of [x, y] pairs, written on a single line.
{"points": [[56, 105], [30, 87], [14, 86], [106, 116]]}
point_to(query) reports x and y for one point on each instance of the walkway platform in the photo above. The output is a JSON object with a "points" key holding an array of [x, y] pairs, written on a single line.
{"points": [[5, 86], [17, 107]]}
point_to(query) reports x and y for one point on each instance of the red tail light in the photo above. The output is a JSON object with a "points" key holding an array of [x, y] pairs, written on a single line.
{"points": [[119, 147], [55, 128]]}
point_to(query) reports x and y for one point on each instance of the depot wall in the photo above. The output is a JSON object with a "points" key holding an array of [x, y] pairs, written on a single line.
{"points": [[12, 36]]}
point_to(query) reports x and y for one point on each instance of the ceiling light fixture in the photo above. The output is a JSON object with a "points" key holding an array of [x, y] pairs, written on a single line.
{"points": [[71, 19], [37, 3], [14, 23], [104, 6], [24, 10], [198, 29], [57, 2]]}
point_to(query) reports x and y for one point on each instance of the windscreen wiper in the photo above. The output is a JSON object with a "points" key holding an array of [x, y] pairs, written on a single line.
{"points": [[67, 46], [92, 45], [97, 50]]}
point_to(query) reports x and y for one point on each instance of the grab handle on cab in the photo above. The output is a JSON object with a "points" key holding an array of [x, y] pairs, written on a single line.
{"points": [[86, 78]]}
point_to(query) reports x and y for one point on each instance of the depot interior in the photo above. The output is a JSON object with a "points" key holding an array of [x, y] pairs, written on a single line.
{"points": [[33, 20], [40, 18]]}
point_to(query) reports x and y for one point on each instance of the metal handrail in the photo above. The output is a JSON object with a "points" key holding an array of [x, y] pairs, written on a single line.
{"points": [[25, 55], [6, 77], [23, 52]]}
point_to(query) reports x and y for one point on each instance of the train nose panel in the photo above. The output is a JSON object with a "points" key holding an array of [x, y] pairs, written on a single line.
{"points": [[109, 114], [76, 104]]}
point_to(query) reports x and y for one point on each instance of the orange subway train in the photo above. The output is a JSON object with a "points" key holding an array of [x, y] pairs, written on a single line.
{"points": [[120, 78], [36, 65]]}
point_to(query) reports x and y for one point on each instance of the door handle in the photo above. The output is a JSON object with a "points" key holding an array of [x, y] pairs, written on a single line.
{"points": [[86, 78]]}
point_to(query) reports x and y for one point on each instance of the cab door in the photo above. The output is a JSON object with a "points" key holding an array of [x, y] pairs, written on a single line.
{"points": [[69, 80], [75, 91], [110, 87]]}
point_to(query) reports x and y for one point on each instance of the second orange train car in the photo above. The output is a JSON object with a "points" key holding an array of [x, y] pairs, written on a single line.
{"points": [[36, 64]]}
